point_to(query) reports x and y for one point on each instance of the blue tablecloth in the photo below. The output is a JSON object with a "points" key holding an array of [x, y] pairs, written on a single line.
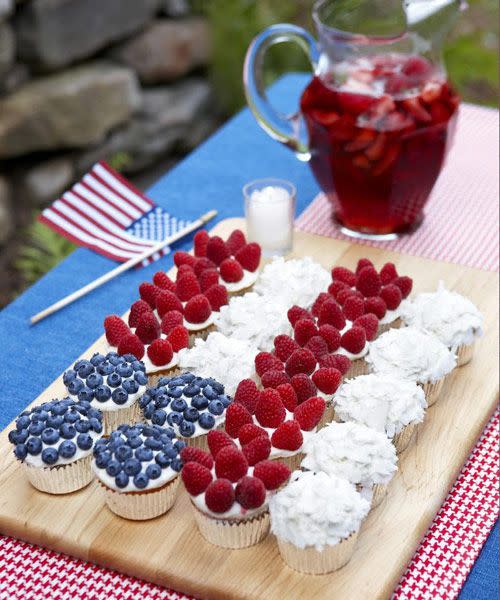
{"points": [[212, 177]]}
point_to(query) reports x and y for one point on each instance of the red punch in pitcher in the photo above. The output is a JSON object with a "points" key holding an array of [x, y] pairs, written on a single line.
{"points": [[379, 112]]}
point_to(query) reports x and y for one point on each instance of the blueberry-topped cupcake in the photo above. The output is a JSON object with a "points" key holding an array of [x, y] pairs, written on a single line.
{"points": [[191, 405], [54, 441], [111, 383], [137, 467]]}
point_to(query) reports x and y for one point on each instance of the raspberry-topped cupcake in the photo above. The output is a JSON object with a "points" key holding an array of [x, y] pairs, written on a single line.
{"points": [[229, 497], [54, 441], [191, 405], [111, 383]]}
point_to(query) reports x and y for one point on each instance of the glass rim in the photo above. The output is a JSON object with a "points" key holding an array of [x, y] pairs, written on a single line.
{"points": [[284, 183]]}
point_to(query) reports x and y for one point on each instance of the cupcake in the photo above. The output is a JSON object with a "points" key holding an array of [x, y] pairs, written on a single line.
{"points": [[386, 403], [414, 355], [363, 456], [137, 468], [111, 383], [230, 498], [316, 518], [191, 405], [452, 318], [54, 443]]}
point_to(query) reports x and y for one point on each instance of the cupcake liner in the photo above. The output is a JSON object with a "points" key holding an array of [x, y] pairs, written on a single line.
{"points": [[328, 415], [433, 391], [140, 506], [386, 326], [61, 479], [233, 533], [112, 419], [358, 367], [312, 561], [153, 378], [464, 354], [402, 439], [240, 292], [292, 462], [202, 333], [379, 493]]}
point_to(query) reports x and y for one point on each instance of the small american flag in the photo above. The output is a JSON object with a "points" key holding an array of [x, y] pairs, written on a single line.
{"points": [[106, 213]]}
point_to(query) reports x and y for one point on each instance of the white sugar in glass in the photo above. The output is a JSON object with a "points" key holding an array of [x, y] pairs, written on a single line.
{"points": [[270, 212]]}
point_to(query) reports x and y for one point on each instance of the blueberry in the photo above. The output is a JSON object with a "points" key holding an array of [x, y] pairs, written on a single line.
{"points": [[199, 402], [141, 378], [82, 426], [130, 386], [55, 421], [187, 377], [95, 424], [94, 413], [49, 456], [175, 392], [67, 449], [113, 468], [153, 443], [69, 376], [21, 451], [40, 415], [36, 428], [191, 390], [78, 364], [84, 441], [162, 400], [169, 451], [191, 414], [86, 394], [102, 393], [141, 481], [102, 459], [34, 445], [218, 387], [159, 417], [136, 365], [23, 422], [71, 416], [175, 381], [114, 358], [226, 400], [162, 459], [94, 380], [206, 421], [123, 452], [149, 410], [124, 370], [176, 464], [105, 368], [179, 445], [186, 429], [174, 419], [144, 454], [75, 386], [153, 471], [135, 442], [216, 407], [167, 434], [132, 466], [67, 431], [97, 359], [200, 381], [114, 380], [210, 393], [50, 435], [179, 405], [85, 369], [121, 480], [18, 437], [100, 446], [119, 396]]}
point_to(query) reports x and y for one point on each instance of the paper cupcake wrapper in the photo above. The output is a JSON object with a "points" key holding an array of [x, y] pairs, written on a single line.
{"points": [[402, 439], [358, 367], [433, 391], [233, 533], [464, 354], [328, 415], [140, 506], [240, 292], [61, 479], [311, 561], [379, 493], [112, 419], [386, 326], [292, 462], [153, 378]]}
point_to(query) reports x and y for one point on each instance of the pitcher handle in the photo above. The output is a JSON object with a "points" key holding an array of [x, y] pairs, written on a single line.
{"points": [[284, 128]]}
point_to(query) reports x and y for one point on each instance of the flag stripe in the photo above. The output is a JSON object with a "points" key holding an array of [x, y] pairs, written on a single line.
{"points": [[104, 206], [120, 185], [97, 187]]}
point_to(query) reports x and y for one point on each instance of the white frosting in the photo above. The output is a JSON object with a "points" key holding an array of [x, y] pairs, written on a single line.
{"points": [[150, 367], [352, 356], [391, 315], [110, 405], [351, 451], [383, 402], [411, 354], [452, 318], [248, 279], [296, 281], [226, 359], [36, 461], [316, 509], [255, 319], [199, 326]]}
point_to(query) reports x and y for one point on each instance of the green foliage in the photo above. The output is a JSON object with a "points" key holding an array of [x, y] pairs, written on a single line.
{"points": [[119, 161]]}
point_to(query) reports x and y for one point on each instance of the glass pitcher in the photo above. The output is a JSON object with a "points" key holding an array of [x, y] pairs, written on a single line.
{"points": [[378, 117]]}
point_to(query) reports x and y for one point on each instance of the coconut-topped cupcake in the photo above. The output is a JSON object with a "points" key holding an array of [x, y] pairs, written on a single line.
{"points": [[451, 317], [386, 403], [415, 355], [316, 518], [54, 441], [137, 466], [354, 452], [191, 405], [111, 383]]}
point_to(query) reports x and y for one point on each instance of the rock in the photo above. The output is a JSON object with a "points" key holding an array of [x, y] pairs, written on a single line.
{"points": [[7, 48], [6, 217], [45, 182], [6, 8], [54, 33], [72, 109], [175, 8], [166, 50], [16, 76]]}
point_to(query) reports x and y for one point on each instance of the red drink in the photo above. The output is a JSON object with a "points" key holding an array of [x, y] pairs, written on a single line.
{"points": [[379, 130]]}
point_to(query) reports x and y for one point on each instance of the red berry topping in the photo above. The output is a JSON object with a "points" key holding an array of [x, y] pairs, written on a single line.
{"points": [[136, 310], [317, 346], [219, 496], [309, 413], [354, 340], [331, 335], [327, 380], [272, 473], [270, 411], [249, 257], [331, 314], [288, 436], [342, 296], [187, 286], [344, 275], [236, 241], [250, 492], [163, 281], [296, 312], [247, 394], [265, 361], [148, 293], [167, 301], [208, 278], [200, 243], [377, 306], [131, 344], [274, 378], [336, 361], [304, 387], [304, 330], [183, 270], [369, 323], [236, 416], [405, 284], [368, 282], [318, 303], [301, 361], [284, 346], [116, 329], [288, 396], [388, 273], [184, 258], [160, 352], [197, 455], [203, 264], [353, 308], [217, 250], [196, 477], [171, 319], [148, 328], [231, 271], [336, 286], [258, 449], [391, 295], [362, 263], [230, 463], [197, 309], [217, 296], [218, 439], [249, 432], [178, 338]]}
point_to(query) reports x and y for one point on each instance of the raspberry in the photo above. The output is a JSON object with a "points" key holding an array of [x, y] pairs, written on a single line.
{"points": [[217, 296], [296, 312], [196, 477], [236, 241], [192, 454], [304, 330], [148, 328], [376, 305], [331, 314], [231, 270], [301, 361], [218, 439], [284, 346], [184, 258], [208, 278], [335, 287], [249, 432], [219, 496], [250, 492], [288, 396], [148, 293], [405, 285], [171, 319], [131, 344], [304, 387], [369, 323], [327, 380], [230, 463], [236, 416], [160, 352], [388, 273], [317, 346], [203, 264], [331, 335], [274, 378], [336, 361], [265, 361], [309, 413], [187, 286], [178, 338], [136, 310], [342, 296], [344, 275], [258, 449], [362, 263], [217, 250], [115, 329], [391, 295], [163, 281], [247, 394], [183, 270], [270, 411], [197, 309], [354, 340], [288, 436], [249, 257], [272, 473], [318, 303], [353, 308], [167, 301], [368, 282], [200, 243]]}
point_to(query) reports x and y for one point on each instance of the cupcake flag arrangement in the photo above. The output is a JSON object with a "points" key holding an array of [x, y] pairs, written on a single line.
{"points": [[280, 396]]}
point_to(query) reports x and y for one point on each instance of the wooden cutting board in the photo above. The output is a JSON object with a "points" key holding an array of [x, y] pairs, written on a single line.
{"points": [[170, 551]]}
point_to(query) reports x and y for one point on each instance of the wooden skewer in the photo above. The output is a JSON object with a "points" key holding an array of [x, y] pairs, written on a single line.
{"points": [[122, 268]]}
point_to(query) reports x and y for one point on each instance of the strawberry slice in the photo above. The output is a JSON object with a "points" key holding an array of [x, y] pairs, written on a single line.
{"points": [[414, 107]]}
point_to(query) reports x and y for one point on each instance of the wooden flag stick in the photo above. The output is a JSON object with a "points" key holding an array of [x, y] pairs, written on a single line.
{"points": [[122, 268]]}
